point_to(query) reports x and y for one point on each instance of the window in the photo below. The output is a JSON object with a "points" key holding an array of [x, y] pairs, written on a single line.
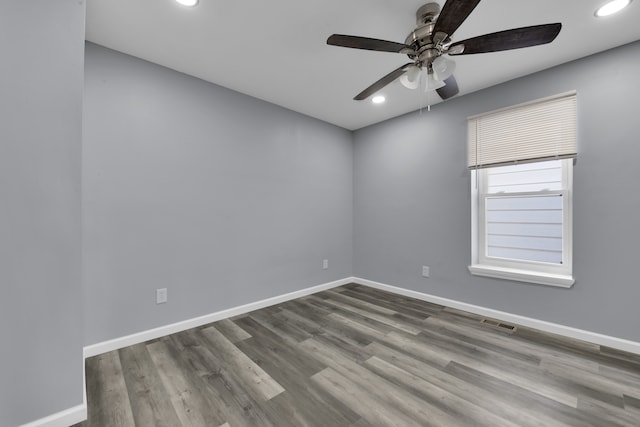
{"points": [[522, 177], [523, 226]]}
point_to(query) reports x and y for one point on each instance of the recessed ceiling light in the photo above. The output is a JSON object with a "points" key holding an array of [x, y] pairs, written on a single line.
{"points": [[189, 3], [612, 7], [378, 99]]}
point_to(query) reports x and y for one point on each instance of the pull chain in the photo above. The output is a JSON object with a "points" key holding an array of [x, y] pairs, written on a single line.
{"points": [[426, 91]]}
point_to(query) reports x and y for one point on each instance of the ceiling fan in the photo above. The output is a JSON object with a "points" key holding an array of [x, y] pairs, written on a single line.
{"points": [[430, 41]]}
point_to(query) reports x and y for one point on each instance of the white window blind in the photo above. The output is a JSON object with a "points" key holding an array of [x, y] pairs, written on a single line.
{"points": [[538, 130]]}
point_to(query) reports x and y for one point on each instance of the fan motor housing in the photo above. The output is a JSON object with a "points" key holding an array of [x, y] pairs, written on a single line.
{"points": [[421, 36], [425, 50]]}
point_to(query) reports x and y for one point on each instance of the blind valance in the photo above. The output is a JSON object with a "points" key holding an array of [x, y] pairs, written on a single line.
{"points": [[539, 130]]}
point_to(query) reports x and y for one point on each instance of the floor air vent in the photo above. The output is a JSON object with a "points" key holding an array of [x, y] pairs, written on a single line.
{"points": [[503, 326]]}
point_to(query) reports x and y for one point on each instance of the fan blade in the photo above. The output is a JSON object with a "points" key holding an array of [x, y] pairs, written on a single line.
{"points": [[506, 40], [453, 14], [449, 89], [366, 43], [382, 82]]}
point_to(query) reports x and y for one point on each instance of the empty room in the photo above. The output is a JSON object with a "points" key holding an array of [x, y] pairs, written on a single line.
{"points": [[365, 213]]}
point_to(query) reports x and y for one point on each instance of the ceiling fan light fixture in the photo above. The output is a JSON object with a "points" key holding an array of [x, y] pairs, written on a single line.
{"points": [[612, 7], [378, 99], [432, 83], [411, 78], [430, 44], [443, 68], [188, 3]]}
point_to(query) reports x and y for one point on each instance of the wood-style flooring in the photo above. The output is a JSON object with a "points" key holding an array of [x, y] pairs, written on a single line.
{"points": [[357, 356]]}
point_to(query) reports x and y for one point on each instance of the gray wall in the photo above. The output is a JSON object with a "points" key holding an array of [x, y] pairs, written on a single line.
{"points": [[219, 197], [412, 199], [41, 42]]}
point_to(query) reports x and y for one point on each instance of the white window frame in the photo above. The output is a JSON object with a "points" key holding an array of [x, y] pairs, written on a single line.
{"points": [[560, 275]]}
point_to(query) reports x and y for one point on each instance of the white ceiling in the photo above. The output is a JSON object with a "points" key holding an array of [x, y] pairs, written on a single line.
{"points": [[276, 50]]}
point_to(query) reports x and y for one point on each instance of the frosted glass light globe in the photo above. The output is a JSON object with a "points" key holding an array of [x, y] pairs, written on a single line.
{"points": [[411, 79], [443, 68]]}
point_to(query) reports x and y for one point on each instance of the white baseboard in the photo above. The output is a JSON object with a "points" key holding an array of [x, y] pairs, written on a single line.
{"points": [[62, 419], [117, 343], [567, 331], [554, 328]]}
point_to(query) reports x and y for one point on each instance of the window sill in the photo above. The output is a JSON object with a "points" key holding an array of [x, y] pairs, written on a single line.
{"points": [[559, 280]]}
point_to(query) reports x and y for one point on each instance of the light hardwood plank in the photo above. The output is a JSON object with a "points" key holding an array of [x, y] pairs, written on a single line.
{"points": [[375, 410], [258, 379], [225, 388], [150, 402], [232, 331], [417, 409], [467, 412], [468, 391], [382, 318], [189, 397], [105, 383], [355, 302]]}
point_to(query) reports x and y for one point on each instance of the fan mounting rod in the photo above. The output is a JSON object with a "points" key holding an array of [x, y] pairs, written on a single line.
{"points": [[427, 13]]}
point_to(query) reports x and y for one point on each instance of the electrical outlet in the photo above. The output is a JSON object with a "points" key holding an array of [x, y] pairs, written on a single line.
{"points": [[161, 296], [425, 271], [325, 264]]}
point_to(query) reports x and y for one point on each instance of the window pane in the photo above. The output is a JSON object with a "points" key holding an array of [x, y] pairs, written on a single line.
{"points": [[528, 230], [526, 217], [525, 203], [528, 255], [529, 242], [525, 228], [525, 177]]}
